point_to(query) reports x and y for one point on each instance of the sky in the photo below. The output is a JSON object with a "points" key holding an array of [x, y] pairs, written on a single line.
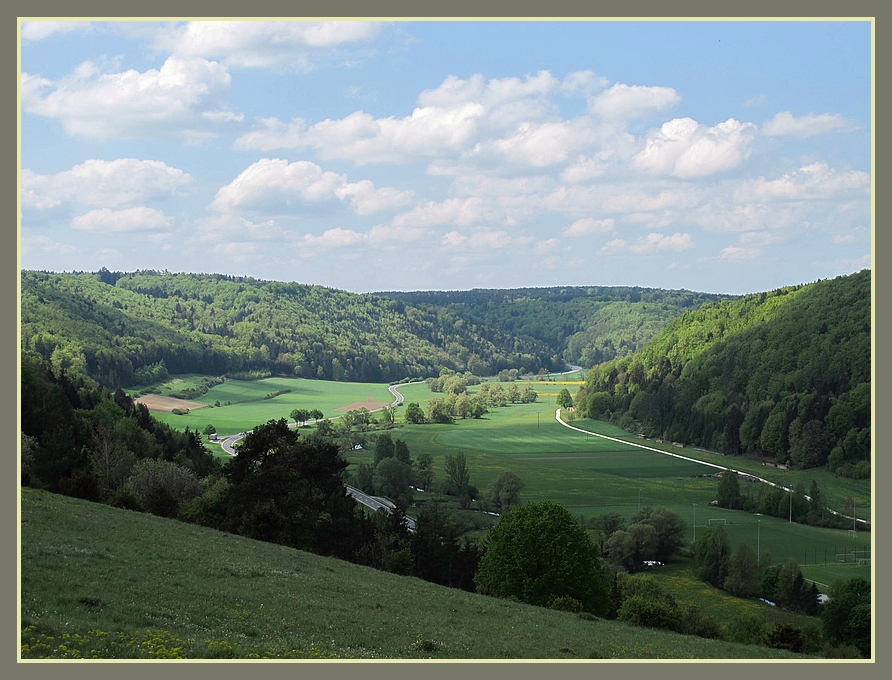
{"points": [[715, 156]]}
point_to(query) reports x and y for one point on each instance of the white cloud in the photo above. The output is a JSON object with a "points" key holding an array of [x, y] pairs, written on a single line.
{"points": [[261, 44], [815, 181], [739, 254], [172, 100], [335, 238], [633, 101], [118, 221], [40, 30], [38, 244], [587, 226], [539, 145], [451, 211], [786, 124], [614, 245], [276, 184], [110, 183], [228, 227], [658, 242], [684, 148], [843, 239], [755, 101]]}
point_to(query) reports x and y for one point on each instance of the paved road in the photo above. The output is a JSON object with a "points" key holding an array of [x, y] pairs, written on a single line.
{"points": [[228, 444], [557, 416], [376, 503]]}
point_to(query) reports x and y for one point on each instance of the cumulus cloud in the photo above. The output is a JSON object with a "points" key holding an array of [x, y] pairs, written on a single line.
{"points": [[98, 182], [658, 242], [39, 244], [739, 254], [587, 226], [276, 184], [185, 98], [229, 226], [685, 149], [460, 211], [261, 44], [843, 239], [119, 221], [785, 124], [633, 101], [40, 30], [815, 181], [459, 117]]}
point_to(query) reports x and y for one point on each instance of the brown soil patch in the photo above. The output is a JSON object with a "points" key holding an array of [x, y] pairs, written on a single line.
{"points": [[368, 404], [155, 402]]}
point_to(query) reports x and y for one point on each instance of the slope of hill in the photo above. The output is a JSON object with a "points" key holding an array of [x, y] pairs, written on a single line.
{"points": [[126, 329], [783, 373], [145, 587], [586, 325]]}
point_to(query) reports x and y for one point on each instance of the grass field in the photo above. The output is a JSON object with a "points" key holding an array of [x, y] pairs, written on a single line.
{"points": [[249, 408], [588, 475], [101, 582]]}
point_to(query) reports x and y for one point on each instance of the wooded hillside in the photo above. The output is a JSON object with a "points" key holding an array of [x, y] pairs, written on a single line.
{"points": [[127, 329], [586, 325], [785, 374]]}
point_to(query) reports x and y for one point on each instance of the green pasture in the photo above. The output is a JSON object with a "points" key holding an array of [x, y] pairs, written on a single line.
{"points": [[249, 408], [588, 475]]}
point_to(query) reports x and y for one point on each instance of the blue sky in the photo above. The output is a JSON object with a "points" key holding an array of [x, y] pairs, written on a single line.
{"points": [[724, 157]]}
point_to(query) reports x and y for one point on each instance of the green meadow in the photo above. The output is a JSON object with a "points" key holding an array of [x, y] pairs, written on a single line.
{"points": [[152, 588], [249, 407], [588, 475]]}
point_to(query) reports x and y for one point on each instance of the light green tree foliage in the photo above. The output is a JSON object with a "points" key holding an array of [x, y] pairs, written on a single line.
{"points": [[537, 553], [504, 492], [414, 414], [564, 400]]}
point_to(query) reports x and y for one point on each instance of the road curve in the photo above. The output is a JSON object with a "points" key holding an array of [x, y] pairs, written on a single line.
{"points": [[557, 416]]}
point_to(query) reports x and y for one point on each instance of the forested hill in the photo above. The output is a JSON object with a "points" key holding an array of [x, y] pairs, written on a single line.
{"points": [[784, 374], [123, 329], [586, 325]]}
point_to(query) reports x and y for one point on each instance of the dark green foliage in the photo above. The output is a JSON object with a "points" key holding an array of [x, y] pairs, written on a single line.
{"points": [[148, 324], [744, 572], [728, 492], [458, 477], [383, 447], [438, 554], [784, 374], [537, 553], [83, 440], [290, 491], [712, 552], [587, 325], [504, 492], [846, 617]]}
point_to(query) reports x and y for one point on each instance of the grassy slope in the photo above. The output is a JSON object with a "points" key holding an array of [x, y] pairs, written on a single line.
{"points": [[144, 587]]}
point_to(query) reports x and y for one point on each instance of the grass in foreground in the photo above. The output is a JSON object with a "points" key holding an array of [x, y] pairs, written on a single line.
{"points": [[99, 582]]}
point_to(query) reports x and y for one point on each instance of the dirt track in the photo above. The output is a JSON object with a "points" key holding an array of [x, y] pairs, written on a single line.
{"points": [[155, 402]]}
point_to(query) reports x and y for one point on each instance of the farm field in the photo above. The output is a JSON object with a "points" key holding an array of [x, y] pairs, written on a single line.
{"points": [[588, 475], [248, 407]]}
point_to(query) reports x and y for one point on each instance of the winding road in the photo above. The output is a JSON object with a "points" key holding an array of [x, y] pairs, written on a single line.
{"points": [[557, 417], [375, 503]]}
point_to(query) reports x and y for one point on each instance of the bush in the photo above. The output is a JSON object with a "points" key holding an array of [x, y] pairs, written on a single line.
{"points": [[641, 610], [567, 604], [160, 486]]}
